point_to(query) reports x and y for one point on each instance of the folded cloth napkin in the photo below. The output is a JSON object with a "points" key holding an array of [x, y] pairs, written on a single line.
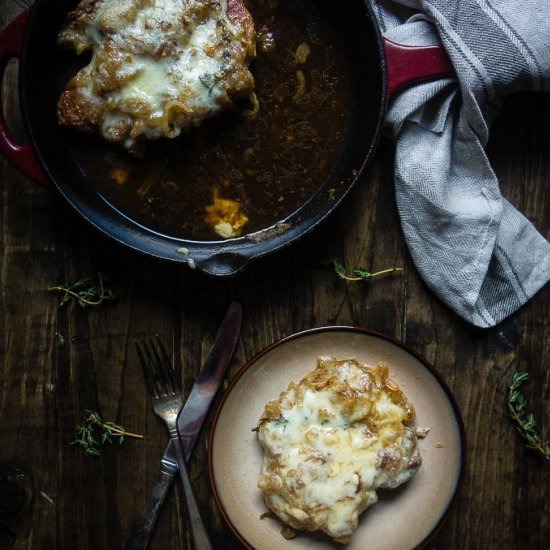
{"points": [[470, 245]]}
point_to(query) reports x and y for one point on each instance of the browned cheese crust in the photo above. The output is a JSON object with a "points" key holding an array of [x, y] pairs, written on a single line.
{"points": [[331, 441], [158, 67]]}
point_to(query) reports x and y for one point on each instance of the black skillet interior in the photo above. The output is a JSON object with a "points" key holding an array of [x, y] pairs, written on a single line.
{"points": [[43, 73]]}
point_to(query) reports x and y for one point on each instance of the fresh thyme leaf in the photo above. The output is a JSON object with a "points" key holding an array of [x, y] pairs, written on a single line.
{"points": [[92, 451], [208, 81], [94, 424], [60, 340], [339, 269], [281, 421], [362, 273], [359, 273], [525, 422], [85, 291]]}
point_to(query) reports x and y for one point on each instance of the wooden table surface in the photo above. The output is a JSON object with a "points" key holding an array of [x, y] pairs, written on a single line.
{"points": [[72, 501]]}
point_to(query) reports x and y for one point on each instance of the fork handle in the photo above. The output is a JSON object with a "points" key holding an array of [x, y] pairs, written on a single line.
{"points": [[201, 540], [142, 533]]}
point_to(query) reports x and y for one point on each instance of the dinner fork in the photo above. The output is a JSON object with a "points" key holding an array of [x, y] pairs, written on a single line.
{"points": [[165, 391]]}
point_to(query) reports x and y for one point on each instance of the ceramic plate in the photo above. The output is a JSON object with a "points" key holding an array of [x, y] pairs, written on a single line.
{"points": [[405, 518]]}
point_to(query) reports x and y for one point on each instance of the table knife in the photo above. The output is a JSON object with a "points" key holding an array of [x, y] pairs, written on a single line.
{"points": [[190, 420]]}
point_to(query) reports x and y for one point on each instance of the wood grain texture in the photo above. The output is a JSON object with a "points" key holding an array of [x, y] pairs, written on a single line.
{"points": [[77, 502]]}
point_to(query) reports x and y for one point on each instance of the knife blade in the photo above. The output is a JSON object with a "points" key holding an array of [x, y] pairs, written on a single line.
{"points": [[196, 407], [190, 420]]}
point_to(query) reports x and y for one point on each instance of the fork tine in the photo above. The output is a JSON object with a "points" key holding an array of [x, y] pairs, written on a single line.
{"points": [[147, 368], [165, 366], [160, 373], [170, 366], [176, 379], [156, 369], [160, 370]]}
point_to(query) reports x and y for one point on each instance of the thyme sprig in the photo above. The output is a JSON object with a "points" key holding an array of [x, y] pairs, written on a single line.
{"points": [[85, 291], [359, 273], [94, 431], [525, 422], [280, 421], [60, 340]]}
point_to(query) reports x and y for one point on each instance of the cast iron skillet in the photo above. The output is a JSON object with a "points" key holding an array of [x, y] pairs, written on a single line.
{"points": [[377, 68]]}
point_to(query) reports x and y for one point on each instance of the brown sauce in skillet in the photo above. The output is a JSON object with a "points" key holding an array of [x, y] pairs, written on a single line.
{"points": [[270, 165]]}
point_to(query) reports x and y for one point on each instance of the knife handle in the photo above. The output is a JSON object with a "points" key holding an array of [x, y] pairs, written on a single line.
{"points": [[201, 540], [142, 533]]}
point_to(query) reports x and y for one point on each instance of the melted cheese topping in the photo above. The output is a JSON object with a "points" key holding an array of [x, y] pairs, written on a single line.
{"points": [[331, 441], [157, 67]]}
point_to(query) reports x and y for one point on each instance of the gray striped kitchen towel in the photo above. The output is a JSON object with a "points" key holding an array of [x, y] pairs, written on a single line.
{"points": [[471, 246]]}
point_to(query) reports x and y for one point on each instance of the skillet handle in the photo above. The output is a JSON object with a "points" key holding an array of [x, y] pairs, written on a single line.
{"points": [[21, 156], [222, 264], [409, 64]]}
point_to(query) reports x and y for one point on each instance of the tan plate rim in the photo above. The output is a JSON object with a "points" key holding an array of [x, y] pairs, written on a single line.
{"points": [[460, 425]]}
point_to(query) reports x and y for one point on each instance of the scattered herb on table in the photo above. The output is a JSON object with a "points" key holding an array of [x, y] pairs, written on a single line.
{"points": [[526, 425], [360, 274], [60, 340], [85, 291], [94, 432]]}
